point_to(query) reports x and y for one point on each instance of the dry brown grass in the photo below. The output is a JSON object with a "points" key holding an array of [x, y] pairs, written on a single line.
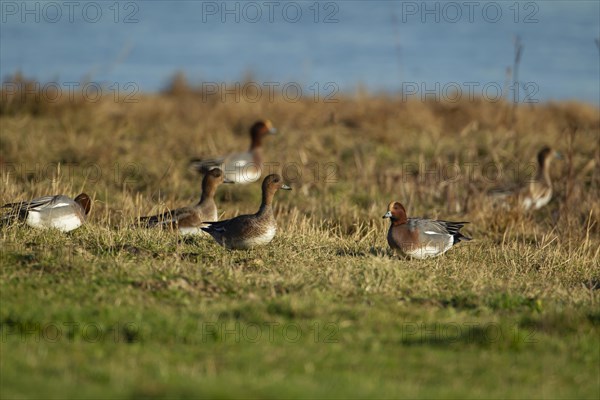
{"points": [[352, 156]]}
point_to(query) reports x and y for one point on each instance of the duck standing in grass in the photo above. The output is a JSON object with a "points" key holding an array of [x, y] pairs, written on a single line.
{"points": [[419, 237], [248, 231], [188, 220], [243, 167], [535, 194], [59, 212]]}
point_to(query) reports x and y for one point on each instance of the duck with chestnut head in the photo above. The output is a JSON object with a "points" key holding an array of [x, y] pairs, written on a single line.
{"points": [[420, 237], [245, 167], [58, 212]]}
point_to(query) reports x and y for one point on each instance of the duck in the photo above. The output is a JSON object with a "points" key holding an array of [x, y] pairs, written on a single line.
{"points": [[249, 231], [59, 212], [421, 238], [241, 168], [188, 220], [535, 194]]}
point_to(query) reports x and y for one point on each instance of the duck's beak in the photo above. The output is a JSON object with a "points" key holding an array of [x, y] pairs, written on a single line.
{"points": [[558, 155], [388, 215], [286, 187], [273, 130]]}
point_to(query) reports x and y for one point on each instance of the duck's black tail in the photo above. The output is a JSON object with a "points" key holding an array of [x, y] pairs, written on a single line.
{"points": [[454, 229]]}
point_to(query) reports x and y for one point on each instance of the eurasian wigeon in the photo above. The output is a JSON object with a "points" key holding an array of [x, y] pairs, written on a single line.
{"points": [[60, 212], [243, 167], [419, 237], [188, 220], [536, 193], [247, 231]]}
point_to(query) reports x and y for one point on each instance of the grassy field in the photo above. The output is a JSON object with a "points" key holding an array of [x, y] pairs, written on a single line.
{"points": [[325, 310]]}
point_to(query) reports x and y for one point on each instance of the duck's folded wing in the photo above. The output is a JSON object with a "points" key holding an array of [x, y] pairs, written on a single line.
{"points": [[206, 164], [166, 219], [216, 226], [150, 221], [439, 227], [59, 205], [37, 203], [235, 226], [452, 227], [58, 201], [232, 160], [428, 226]]}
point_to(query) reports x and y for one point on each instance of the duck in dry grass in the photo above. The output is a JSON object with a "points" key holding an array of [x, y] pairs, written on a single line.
{"points": [[243, 167], [418, 237], [59, 212], [248, 231], [189, 220], [536, 193]]}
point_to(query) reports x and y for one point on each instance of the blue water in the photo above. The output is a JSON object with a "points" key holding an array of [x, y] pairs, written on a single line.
{"points": [[377, 45]]}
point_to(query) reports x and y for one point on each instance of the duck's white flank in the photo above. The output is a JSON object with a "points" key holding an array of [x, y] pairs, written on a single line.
{"points": [[430, 250], [64, 223]]}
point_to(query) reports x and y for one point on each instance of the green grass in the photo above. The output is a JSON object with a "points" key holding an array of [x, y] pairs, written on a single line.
{"points": [[84, 315], [325, 310]]}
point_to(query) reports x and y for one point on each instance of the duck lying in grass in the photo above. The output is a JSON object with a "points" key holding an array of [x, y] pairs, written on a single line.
{"points": [[59, 212], [419, 237], [248, 231], [189, 220]]}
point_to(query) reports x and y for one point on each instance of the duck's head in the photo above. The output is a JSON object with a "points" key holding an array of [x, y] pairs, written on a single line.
{"points": [[85, 202], [396, 212], [259, 130], [273, 183], [545, 156], [214, 178]]}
